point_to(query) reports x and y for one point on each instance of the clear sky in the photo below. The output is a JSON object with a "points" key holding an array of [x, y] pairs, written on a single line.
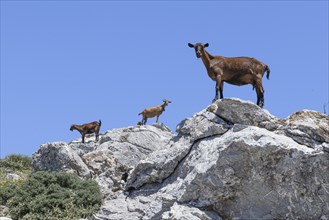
{"points": [[65, 62]]}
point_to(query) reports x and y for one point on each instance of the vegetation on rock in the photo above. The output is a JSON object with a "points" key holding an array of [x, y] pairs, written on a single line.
{"points": [[46, 195]]}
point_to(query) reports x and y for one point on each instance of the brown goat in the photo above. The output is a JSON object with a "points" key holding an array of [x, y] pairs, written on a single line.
{"points": [[153, 111], [236, 70], [92, 127]]}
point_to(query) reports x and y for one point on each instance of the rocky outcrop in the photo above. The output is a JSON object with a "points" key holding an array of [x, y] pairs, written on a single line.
{"points": [[107, 161], [232, 160]]}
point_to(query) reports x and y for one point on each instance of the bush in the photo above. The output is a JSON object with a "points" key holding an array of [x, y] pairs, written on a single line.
{"points": [[16, 162], [46, 195]]}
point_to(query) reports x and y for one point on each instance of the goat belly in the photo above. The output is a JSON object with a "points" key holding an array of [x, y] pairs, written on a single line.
{"points": [[150, 114], [236, 83], [153, 114], [89, 131], [239, 79]]}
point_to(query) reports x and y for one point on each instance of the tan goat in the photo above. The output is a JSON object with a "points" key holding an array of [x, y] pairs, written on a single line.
{"points": [[154, 111], [92, 127]]}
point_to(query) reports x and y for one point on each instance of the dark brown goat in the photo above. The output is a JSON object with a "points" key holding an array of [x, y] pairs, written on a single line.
{"points": [[236, 70], [92, 127]]}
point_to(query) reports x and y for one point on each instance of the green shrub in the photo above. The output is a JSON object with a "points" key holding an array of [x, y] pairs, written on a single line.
{"points": [[46, 195], [16, 162], [7, 191]]}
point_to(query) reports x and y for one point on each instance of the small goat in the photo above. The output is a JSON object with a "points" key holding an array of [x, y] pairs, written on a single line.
{"points": [[92, 127], [236, 70], [153, 111]]}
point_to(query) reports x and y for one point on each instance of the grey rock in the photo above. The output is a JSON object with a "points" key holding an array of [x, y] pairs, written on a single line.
{"points": [[122, 208], [158, 165], [237, 111], [307, 127], [184, 212], [13, 176], [232, 160], [130, 145], [59, 156], [107, 171], [256, 168], [162, 163], [202, 124], [252, 173], [107, 161]]}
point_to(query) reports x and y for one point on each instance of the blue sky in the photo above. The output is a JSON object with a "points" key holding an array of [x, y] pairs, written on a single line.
{"points": [[80, 61]]}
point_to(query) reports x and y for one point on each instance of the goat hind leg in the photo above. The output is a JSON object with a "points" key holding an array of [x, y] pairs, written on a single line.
{"points": [[260, 94], [262, 102], [144, 121], [221, 85]]}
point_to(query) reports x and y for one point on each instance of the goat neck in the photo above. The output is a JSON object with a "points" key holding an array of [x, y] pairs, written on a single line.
{"points": [[205, 56], [206, 59], [163, 106], [78, 127]]}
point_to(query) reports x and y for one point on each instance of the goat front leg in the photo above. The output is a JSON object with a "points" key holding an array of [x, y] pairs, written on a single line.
{"points": [[216, 93], [97, 136], [83, 138], [218, 88]]}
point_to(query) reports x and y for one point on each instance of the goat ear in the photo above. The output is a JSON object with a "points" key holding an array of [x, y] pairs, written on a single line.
{"points": [[190, 45], [206, 45]]}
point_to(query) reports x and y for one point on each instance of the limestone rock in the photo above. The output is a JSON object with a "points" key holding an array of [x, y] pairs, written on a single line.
{"points": [[107, 161], [130, 145], [307, 127], [5, 218], [162, 163], [183, 212], [13, 176], [237, 111], [232, 160], [251, 173], [59, 156], [237, 160]]}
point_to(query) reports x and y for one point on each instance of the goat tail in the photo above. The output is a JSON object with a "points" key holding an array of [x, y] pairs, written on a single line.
{"points": [[99, 122], [267, 69], [140, 113]]}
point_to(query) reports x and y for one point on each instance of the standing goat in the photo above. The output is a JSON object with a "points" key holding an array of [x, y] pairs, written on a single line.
{"points": [[92, 127], [154, 111], [237, 71]]}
